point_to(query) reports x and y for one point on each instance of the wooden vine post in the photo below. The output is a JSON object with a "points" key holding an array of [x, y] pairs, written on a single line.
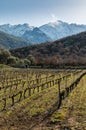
{"points": [[59, 93], [27, 72]]}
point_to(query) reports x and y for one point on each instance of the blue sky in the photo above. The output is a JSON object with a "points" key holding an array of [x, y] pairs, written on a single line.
{"points": [[38, 12]]}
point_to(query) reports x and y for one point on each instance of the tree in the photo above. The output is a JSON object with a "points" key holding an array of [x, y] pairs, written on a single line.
{"points": [[11, 60], [32, 59], [4, 54], [27, 62]]}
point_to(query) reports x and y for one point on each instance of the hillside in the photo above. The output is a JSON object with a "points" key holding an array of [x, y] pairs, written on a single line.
{"points": [[9, 42], [69, 50]]}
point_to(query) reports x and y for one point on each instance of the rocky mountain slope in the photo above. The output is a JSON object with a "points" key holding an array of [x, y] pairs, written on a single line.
{"points": [[48, 32]]}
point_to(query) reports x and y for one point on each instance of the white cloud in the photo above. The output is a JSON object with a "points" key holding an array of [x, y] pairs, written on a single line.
{"points": [[53, 18]]}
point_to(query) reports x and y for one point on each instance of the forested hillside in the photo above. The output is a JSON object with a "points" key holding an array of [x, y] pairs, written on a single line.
{"points": [[69, 51], [9, 42]]}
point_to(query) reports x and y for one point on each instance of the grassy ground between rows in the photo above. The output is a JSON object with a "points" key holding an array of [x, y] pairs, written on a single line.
{"points": [[71, 115], [30, 111]]}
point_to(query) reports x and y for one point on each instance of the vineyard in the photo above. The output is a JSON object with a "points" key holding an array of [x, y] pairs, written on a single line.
{"points": [[29, 97]]}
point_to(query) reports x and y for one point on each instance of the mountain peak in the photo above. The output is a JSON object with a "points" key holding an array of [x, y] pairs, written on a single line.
{"points": [[26, 25], [16, 30], [60, 29], [56, 23], [36, 36], [6, 25]]}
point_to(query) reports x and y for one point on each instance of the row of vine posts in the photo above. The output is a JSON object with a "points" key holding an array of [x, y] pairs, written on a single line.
{"points": [[16, 87]]}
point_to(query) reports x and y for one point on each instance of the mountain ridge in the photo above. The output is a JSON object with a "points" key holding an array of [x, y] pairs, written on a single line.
{"points": [[52, 30], [36, 36], [59, 29]]}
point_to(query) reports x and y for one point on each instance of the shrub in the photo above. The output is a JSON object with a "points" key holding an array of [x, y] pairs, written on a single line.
{"points": [[4, 54]]}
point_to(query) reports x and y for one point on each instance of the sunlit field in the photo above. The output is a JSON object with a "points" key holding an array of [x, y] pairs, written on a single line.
{"points": [[42, 99]]}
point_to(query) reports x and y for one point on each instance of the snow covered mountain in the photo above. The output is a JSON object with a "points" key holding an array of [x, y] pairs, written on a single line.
{"points": [[59, 29], [36, 36], [45, 33], [16, 30]]}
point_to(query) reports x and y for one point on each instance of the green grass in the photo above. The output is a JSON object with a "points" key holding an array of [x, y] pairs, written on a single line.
{"points": [[30, 111], [73, 111], [4, 66]]}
